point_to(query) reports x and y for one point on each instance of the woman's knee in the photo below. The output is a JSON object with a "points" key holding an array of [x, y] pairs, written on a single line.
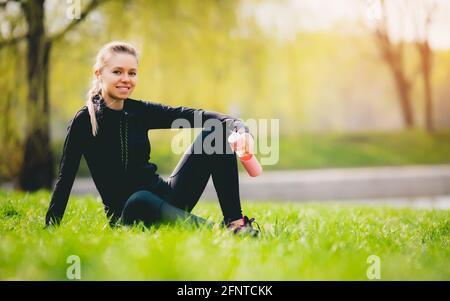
{"points": [[142, 206]]}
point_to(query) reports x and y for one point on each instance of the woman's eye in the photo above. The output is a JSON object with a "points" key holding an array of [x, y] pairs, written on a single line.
{"points": [[132, 73], [116, 72]]}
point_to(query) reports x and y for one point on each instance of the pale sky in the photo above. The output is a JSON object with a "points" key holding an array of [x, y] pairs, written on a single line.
{"points": [[285, 17]]}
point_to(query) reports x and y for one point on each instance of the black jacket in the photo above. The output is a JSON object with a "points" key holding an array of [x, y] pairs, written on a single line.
{"points": [[118, 157]]}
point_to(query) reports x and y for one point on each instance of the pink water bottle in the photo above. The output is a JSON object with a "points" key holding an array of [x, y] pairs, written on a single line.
{"points": [[242, 144]]}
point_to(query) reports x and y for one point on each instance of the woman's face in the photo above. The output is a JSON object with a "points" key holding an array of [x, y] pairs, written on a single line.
{"points": [[119, 75]]}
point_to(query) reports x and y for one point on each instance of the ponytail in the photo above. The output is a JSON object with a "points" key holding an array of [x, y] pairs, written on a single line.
{"points": [[93, 91]]}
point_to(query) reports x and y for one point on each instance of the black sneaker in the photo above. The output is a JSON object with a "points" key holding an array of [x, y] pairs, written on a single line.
{"points": [[245, 227]]}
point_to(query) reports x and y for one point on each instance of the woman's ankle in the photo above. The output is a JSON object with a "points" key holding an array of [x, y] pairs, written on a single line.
{"points": [[237, 222]]}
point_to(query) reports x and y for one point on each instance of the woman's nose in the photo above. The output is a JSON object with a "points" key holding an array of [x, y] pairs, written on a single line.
{"points": [[125, 78]]}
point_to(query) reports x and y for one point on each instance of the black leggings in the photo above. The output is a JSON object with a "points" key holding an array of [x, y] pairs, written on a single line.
{"points": [[175, 198]]}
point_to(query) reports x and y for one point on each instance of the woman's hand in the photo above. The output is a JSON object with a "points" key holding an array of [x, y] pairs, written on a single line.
{"points": [[246, 136], [245, 142], [241, 143], [240, 127], [248, 142]]}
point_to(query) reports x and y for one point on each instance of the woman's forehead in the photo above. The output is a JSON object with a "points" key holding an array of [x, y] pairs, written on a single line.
{"points": [[122, 60]]}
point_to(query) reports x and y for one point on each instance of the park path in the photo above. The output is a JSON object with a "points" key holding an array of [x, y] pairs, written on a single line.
{"points": [[421, 186], [425, 186]]}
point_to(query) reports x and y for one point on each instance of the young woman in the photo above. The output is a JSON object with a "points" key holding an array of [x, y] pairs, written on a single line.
{"points": [[111, 132]]}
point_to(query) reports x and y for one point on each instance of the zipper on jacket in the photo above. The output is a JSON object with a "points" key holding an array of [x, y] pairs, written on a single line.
{"points": [[124, 142]]}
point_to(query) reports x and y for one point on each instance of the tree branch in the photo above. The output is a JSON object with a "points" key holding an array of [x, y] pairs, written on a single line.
{"points": [[90, 7], [12, 41], [428, 19], [5, 2]]}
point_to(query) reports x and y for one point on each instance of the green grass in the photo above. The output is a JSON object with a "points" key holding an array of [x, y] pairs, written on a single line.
{"points": [[299, 242], [363, 149], [325, 150]]}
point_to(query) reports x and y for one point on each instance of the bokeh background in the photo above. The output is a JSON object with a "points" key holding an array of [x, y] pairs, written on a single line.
{"points": [[361, 90], [353, 82]]}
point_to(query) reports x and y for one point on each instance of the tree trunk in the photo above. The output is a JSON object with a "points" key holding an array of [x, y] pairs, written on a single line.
{"points": [[37, 168], [403, 91], [393, 56], [426, 56]]}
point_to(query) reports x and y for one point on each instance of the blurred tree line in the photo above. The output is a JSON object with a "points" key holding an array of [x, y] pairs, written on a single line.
{"points": [[199, 54], [420, 17], [24, 23]]}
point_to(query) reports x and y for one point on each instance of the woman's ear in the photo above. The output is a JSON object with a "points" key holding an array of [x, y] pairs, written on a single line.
{"points": [[97, 73]]}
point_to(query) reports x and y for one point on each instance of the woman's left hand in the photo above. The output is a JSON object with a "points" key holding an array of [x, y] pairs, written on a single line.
{"points": [[248, 142], [240, 127]]}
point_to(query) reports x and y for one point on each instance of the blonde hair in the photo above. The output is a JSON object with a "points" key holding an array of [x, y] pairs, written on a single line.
{"points": [[96, 88]]}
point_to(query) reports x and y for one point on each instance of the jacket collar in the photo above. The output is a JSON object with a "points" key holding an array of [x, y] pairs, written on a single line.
{"points": [[102, 110]]}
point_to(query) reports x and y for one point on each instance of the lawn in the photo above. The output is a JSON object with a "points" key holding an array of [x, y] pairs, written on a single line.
{"points": [[299, 242]]}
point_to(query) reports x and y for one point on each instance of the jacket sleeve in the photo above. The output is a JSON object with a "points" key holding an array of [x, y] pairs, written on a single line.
{"points": [[160, 116], [68, 168]]}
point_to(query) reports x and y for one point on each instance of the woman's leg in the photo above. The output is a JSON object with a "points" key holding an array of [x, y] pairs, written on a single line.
{"points": [[149, 208], [188, 181]]}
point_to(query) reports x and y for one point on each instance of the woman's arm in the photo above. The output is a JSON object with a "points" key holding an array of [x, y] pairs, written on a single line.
{"points": [[160, 116], [68, 168]]}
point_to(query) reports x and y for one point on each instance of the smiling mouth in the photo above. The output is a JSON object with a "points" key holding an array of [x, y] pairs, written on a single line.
{"points": [[122, 88]]}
